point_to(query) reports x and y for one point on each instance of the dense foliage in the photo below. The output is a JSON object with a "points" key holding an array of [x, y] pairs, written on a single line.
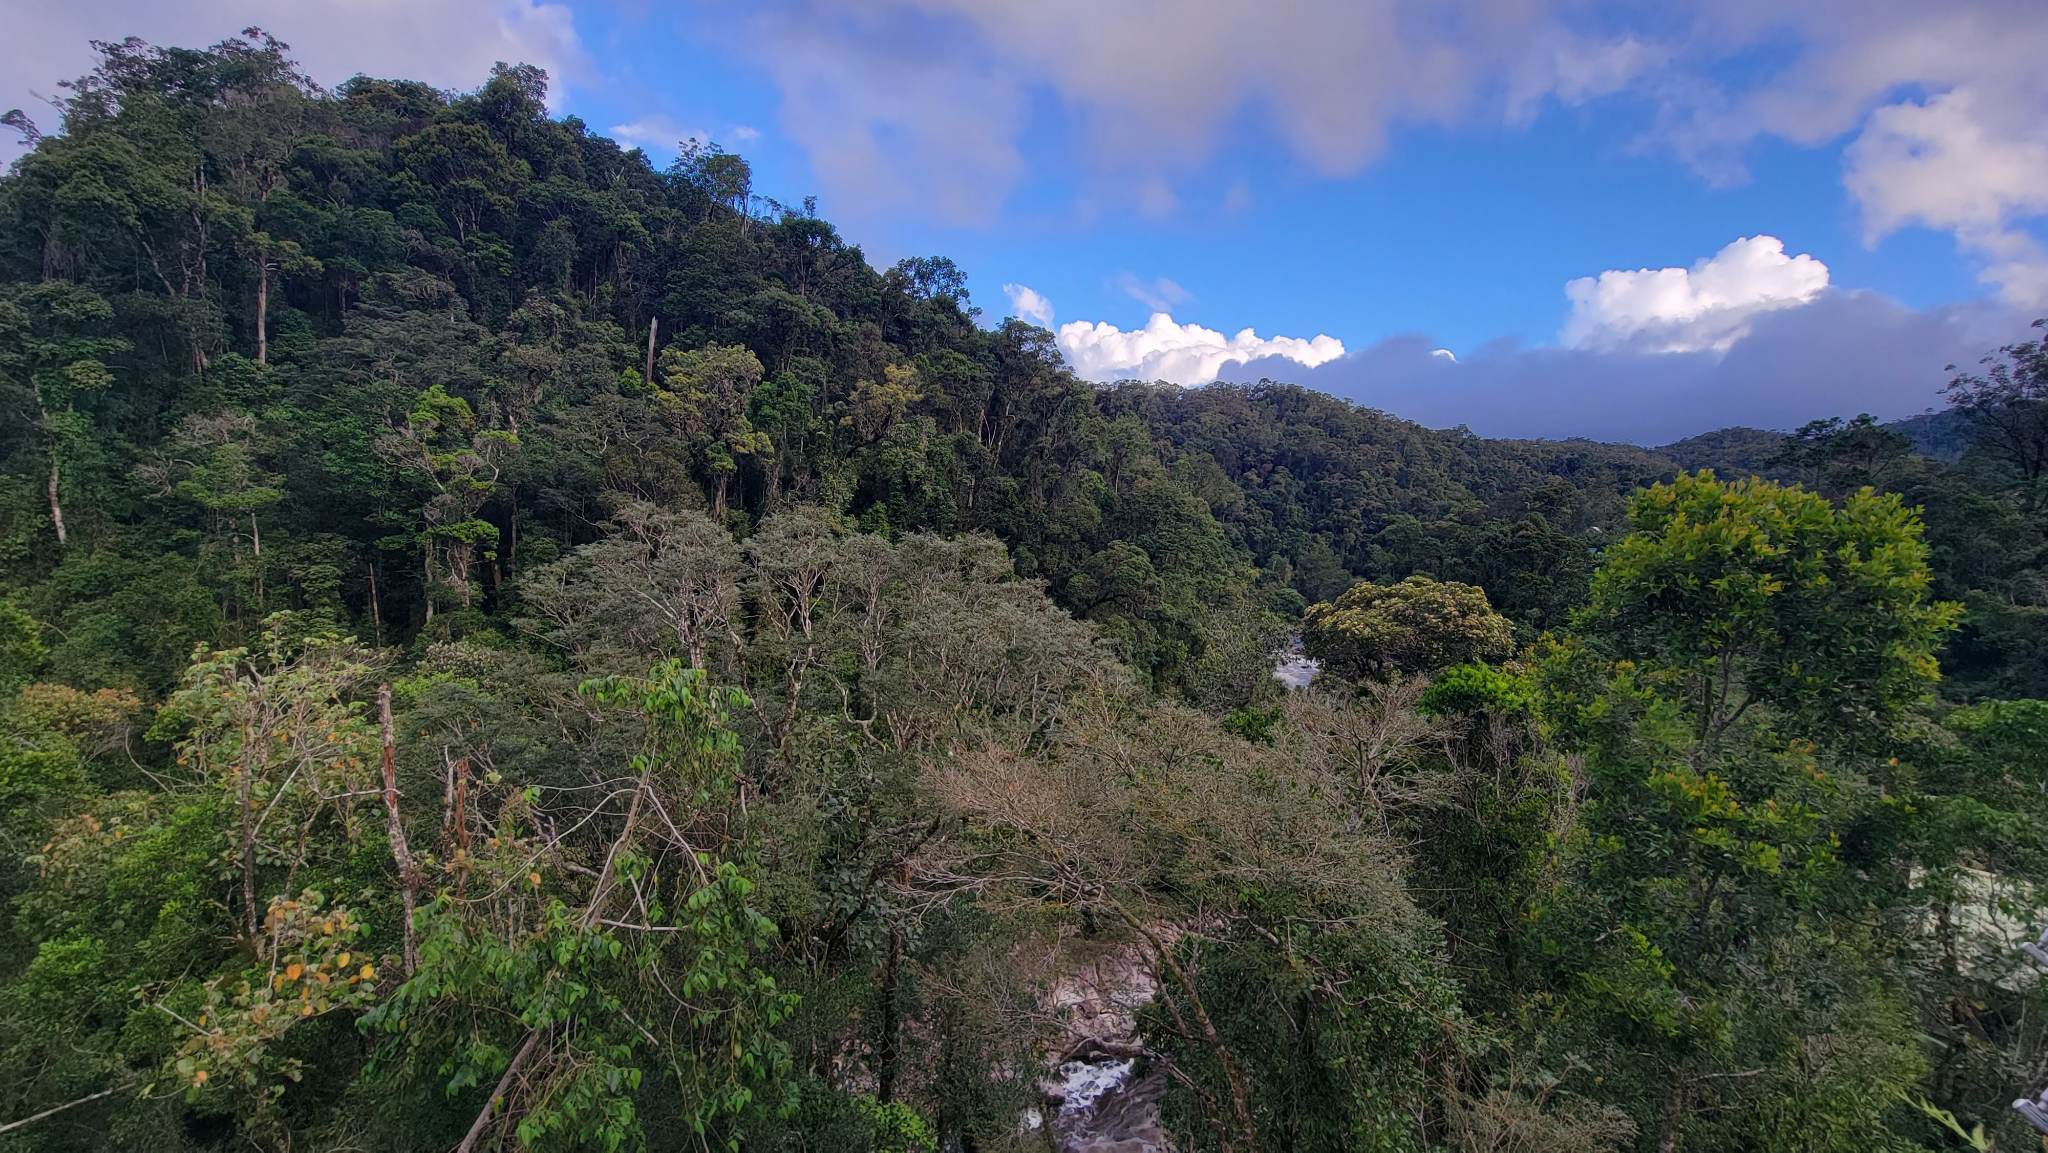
{"points": [[505, 647]]}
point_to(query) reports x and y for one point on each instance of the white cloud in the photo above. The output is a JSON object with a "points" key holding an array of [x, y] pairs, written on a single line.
{"points": [[889, 118], [662, 134], [1154, 89], [1160, 295], [1952, 163], [1576, 69], [924, 105], [1706, 307], [657, 134], [451, 43], [1028, 303], [1964, 152], [1444, 354], [1182, 353]]}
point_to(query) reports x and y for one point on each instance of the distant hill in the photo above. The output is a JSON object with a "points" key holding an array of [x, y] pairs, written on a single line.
{"points": [[1940, 435], [1743, 451], [1735, 451]]}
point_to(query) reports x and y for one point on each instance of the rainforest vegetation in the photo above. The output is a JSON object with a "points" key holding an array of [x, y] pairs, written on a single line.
{"points": [[506, 646]]}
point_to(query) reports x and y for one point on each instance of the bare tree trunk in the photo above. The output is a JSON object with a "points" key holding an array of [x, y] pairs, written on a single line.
{"points": [[408, 873], [653, 323], [53, 1111], [256, 549], [1674, 1110], [56, 509], [476, 1127], [245, 797], [376, 614], [262, 312], [886, 1051]]}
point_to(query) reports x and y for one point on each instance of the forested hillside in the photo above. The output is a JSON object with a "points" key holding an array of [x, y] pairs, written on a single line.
{"points": [[504, 646]]}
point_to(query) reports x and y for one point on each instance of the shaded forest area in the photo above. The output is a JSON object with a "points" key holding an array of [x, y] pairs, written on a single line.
{"points": [[506, 647]]}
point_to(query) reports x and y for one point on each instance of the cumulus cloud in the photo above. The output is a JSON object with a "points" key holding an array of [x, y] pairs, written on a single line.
{"points": [[1027, 303], [1182, 353], [1707, 307], [452, 43], [1841, 354]]}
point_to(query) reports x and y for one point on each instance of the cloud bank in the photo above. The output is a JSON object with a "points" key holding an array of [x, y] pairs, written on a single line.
{"points": [[1839, 354], [1749, 335]]}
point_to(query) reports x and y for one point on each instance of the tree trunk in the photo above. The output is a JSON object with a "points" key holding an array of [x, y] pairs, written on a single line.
{"points": [[245, 799], [504, 1086], [886, 1051], [653, 323], [262, 312], [401, 854], [1674, 1111], [376, 614], [56, 509], [1233, 1073]]}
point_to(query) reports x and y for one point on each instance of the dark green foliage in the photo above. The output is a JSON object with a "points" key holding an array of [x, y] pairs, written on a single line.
{"points": [[793, 683]]}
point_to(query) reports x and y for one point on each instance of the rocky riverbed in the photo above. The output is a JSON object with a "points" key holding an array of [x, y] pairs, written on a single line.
{"points": [[1102, 1095]]}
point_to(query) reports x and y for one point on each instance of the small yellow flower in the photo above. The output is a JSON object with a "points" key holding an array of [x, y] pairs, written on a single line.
{"points": [[341, 961], [534, 878], [199, 1078], [368, 972], [292, 971]]}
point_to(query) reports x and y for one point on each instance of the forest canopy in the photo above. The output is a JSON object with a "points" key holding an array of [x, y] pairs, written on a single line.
{"points": [[505, 646]]}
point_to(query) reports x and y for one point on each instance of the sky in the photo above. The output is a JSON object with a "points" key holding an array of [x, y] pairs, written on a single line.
{"points": [[1528, 217]]}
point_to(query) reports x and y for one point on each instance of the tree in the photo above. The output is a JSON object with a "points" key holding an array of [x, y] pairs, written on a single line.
{"points": [[1749, 592], [55, 341], [2007, 405], [593, 961], [440, 446], [1712, 924], [1416, 625], [706, 393]]}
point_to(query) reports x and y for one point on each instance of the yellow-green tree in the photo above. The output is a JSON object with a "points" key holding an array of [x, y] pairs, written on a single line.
{"points": [[1417, 625]]}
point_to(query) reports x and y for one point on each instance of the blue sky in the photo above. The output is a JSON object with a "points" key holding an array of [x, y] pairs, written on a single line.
{"points": [[1464, 232], [1398, 177]]}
